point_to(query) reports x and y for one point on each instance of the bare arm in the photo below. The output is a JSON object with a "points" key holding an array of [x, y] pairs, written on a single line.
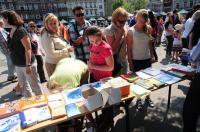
{"points": [[27, 45], [115, 40], [107, 67], [129, 42]]}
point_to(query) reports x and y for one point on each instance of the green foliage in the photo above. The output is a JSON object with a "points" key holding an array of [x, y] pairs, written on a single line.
{"points": [[130, 5], [117, 3]]}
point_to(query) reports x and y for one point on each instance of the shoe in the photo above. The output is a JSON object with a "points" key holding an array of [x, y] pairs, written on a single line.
{"points": [[43, 81], [139, 105], [11, 78], [149, 102]]}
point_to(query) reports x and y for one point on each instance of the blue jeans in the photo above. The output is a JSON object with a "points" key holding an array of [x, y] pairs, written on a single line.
{"points": [[11, 67]]}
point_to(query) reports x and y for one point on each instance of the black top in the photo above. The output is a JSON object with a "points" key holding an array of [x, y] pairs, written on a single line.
{"points": [[16, 47], [196, 33]]}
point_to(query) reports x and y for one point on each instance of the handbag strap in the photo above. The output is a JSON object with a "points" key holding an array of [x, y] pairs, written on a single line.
{"points": [[120, 46]]}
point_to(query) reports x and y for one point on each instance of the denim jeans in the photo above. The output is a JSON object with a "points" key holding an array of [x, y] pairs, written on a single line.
{"points": [[11, 67], [30, 82]]}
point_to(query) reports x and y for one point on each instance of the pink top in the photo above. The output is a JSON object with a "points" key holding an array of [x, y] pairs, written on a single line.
{"points": [[98, 55]]}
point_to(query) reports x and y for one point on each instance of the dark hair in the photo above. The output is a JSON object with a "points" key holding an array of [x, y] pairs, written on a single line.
{"points": [[175, 11], [152, 19], [77, 8], [196, 7], [12, 17], [94, 30]]}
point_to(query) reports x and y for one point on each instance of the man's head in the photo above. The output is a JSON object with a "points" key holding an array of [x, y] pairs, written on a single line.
{"points": [[78, 12]]}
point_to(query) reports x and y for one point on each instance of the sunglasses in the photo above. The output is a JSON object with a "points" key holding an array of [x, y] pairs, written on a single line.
{"points": [[80, 14], [121, 22], [32, 26]]}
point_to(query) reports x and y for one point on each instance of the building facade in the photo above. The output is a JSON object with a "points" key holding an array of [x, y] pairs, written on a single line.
{"points": [[169, 5], [37, 9]]}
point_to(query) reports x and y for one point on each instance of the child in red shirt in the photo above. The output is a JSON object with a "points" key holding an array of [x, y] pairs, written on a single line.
{"points": [[100, 65], [101, 61]]}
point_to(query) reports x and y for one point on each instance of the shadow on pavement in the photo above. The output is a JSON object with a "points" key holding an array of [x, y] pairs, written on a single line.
{"points": [[183, 88], [3, 84], [151, 119], [11, 96]]}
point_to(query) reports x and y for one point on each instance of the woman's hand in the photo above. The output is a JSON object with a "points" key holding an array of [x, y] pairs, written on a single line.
{"points": [[29, 70]]}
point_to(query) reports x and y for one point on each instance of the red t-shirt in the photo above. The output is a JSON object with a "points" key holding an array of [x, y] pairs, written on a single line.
{"points": [[98, 55]]}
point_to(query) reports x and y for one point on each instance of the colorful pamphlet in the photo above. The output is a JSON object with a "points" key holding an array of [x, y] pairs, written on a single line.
{"points": [[166, 78], [34, 101], [144, 83], [151, 71], [43, 113], [10, 108], [10, 124], [28, 117], [156, 83], [72, 110], [130, 77], [139, 91], [72, 95]]}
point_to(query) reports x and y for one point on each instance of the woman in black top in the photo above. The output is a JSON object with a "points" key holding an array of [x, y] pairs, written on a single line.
{"points": [[21, 55]]}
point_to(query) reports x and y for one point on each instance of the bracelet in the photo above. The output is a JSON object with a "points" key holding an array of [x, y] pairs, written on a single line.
{"points": [[28, 65]]}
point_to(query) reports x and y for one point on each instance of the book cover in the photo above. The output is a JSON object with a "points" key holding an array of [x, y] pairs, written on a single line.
{"points": [[175, 73], [130, 77], [139, 91], [120, 83], [28, 117], [34, 101], [43, 113], [166, 78], [156, 83], [152, 71], [10, 124], [144, 83], [72, 95], [143, 75], [10, 108], [56, 105], [183, 69], [99, 85], [72, 110]]}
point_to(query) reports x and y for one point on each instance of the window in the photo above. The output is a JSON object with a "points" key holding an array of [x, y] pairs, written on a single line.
{"points": [[191, 3], [177, 5], [185, 4], [100, 7], [36, 6]]}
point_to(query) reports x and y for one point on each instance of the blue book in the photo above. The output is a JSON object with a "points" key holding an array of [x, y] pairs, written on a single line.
{"points": [[10, 124], [72, 110], [72, 95], [28, 117], [152, 71], [166, 78]]}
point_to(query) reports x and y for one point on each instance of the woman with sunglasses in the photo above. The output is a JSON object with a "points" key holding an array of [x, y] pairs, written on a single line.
{"points": [[21, 55], [54, 47], [32, 29], [115, 35], [139, 47]]}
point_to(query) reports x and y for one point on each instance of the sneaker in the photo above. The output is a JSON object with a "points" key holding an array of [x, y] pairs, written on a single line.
{"points": [[139, 105], [149, 102], [11, 78]]}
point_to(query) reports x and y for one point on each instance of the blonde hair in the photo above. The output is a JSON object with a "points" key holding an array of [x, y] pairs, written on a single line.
{"points": [[119, 12], [48, 18], [144, 14]]}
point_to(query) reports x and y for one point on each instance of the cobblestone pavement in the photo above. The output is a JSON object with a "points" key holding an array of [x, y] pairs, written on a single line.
{"points": [[147, 120]]}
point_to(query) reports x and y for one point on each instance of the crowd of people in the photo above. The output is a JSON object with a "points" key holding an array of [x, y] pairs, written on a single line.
{"points": [[92, 53]]}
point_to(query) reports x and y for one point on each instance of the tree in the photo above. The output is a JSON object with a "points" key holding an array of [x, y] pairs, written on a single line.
{"points": [[139, 4], [117, 3]]}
